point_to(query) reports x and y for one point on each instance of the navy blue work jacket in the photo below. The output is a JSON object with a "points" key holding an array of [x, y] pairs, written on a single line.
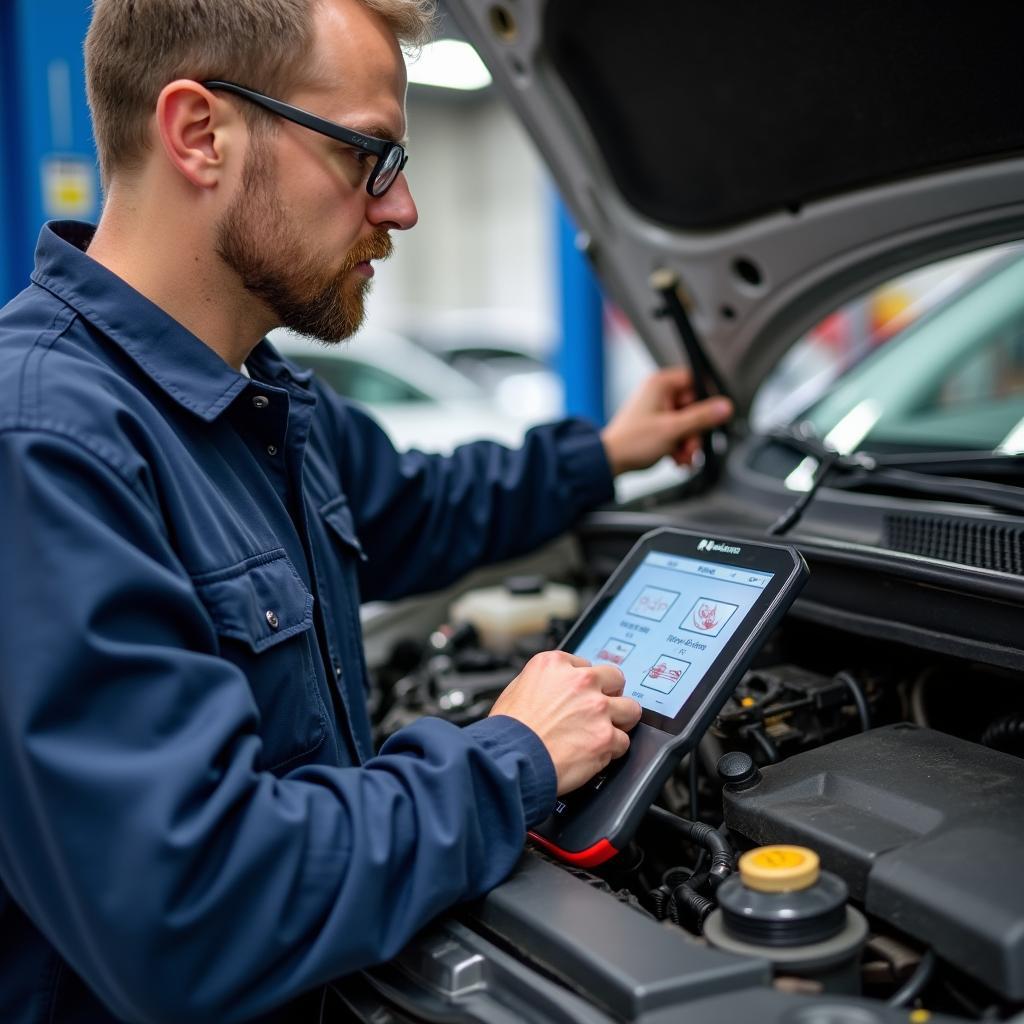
{"points": [[193, 825]]}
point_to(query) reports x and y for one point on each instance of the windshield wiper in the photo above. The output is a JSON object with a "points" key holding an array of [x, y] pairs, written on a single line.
{"points": [[989, 463], [914, 474]]}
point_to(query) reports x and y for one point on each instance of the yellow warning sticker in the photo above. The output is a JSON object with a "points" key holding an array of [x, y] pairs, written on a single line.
{"points": [[69, 187]]}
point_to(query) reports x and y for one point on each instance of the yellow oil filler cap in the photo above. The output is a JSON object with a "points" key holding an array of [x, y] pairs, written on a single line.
{"points": [[779, 868]]}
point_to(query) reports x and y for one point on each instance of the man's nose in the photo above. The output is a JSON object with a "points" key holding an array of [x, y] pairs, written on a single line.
{"points": [[395, 210]]}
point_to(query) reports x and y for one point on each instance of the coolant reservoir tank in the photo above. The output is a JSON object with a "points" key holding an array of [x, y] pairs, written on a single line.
{"points": [[783, 907], [521, 606]]}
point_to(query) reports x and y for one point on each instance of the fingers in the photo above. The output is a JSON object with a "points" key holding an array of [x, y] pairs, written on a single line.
{"points": [[610, 679], [677, 382], [574, 659], [624, 712], [665, 390], [620, 744], [659, 419], [673, 378], [683, 455], [699, 417]]}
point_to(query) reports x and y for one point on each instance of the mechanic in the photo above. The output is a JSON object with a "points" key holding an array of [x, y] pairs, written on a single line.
{"points": [[195, 825]]}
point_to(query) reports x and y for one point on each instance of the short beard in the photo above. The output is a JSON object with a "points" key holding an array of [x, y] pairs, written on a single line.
{"points": [[256, 239]]}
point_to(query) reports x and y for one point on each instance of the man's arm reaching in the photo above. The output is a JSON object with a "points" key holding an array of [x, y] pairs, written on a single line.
{"points": [[424, 520]]}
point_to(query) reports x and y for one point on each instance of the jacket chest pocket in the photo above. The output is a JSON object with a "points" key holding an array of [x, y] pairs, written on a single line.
{"points": [[263, 615]]}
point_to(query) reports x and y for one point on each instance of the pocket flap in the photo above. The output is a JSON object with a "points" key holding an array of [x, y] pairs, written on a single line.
{"points": [[338, 517], [260, 601]]}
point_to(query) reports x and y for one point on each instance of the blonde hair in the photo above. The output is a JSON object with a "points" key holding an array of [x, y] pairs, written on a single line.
{"points": [[135, 47]]}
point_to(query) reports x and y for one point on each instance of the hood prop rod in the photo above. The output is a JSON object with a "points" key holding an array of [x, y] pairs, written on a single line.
{"points": [[706, 379]]}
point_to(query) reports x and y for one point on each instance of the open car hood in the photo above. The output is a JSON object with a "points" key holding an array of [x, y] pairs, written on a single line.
{"points": [[777, 158]]}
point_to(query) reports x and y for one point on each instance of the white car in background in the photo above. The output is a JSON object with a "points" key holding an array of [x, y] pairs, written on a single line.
{"points": [[419, 400], [508, 352]]}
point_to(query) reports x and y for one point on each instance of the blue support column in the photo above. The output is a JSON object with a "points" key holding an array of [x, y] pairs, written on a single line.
{"points": [[49, 159], [581, 354], [11, 190]]}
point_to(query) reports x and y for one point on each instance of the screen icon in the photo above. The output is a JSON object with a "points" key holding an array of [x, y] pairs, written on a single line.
{"points": [[615, 651], [708, 616], [664, 674], [653, 603]]}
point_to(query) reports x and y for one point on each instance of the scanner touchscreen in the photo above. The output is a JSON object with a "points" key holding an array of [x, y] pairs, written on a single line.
{"points": [[668, 623]]}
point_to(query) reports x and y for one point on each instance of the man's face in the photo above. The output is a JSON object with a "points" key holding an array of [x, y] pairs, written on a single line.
{"points": [[301, 230], [309, 293]]}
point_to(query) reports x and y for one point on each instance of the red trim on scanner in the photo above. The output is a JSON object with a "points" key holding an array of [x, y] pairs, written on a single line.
{"points": [[601, 851]]}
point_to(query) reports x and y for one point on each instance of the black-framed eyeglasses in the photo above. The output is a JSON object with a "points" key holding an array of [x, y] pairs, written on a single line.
{"points": [[390, 156]]}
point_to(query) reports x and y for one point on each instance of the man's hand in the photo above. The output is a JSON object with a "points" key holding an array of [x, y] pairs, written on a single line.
{"points": [[577, 709], [661, 418]]}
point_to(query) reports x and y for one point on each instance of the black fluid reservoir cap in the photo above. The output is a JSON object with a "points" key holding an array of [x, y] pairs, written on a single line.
{"points": [[524, 584], [737, 771]]}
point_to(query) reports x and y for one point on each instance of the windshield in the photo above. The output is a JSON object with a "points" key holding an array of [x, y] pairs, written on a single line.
{"points": [[931, 361]]}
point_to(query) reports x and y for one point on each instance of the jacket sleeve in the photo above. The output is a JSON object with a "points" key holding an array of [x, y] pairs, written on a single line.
{"points": [[424, 520], [175, 878]]}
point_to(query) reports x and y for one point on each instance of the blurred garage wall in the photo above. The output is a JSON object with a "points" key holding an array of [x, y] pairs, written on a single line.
{"points": [[484, 236]]}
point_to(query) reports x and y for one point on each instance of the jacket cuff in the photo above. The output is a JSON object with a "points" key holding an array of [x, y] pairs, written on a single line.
{"points": [[585, 472], [517, 747]]}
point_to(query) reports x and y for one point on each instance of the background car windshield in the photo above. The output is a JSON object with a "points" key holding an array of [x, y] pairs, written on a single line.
{"points": [[933, 360], [363, 382]]}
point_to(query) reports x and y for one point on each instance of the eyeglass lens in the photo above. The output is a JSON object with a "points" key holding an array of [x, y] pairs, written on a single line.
{"points": [[387, 171]]}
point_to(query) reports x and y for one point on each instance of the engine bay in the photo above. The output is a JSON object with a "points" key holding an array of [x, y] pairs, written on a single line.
{"points": [[900, 769]]}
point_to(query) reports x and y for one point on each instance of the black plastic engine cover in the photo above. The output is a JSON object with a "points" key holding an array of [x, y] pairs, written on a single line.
{"points": [[926, 829]]}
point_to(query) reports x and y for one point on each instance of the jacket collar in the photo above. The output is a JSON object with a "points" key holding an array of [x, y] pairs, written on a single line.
{"points": [[178, 362]]}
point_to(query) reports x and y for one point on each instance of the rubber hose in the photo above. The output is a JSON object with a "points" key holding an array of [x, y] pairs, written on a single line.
{"points": [[657, 901], [916, 983], [689, 909], [721, 851], [770, 751], [848, 679], [696, 881], [1006, 734]]}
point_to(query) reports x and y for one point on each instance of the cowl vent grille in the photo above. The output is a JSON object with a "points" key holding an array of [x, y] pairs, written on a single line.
{"points": [[985, 545]]}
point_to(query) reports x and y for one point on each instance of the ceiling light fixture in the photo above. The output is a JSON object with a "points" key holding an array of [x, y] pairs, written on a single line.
{"points": [[449, 64]]}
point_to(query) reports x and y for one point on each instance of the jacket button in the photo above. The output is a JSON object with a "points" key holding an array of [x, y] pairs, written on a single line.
{"points": [[260, 401], [272, 618], [271, 449]]}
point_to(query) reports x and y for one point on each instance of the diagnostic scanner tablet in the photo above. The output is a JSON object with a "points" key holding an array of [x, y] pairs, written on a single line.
{"points": [[682, 617]]}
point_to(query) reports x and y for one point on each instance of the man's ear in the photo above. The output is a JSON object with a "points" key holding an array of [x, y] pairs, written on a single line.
{"points": [[196, 131]]}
